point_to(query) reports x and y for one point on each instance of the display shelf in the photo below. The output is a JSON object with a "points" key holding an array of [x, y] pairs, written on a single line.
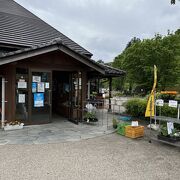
{"points": [[177, 144], [154, 136], [168, 119]]}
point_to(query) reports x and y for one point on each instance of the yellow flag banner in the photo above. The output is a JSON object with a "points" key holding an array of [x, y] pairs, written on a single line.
{"points": [[150, 105]]}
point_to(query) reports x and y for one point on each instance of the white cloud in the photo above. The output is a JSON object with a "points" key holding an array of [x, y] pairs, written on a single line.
{"points": [[104, 27]]}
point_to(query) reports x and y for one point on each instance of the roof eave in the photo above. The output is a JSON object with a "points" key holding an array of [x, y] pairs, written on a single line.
{"points": [[32, 52], [27, 54], [81, 58]]}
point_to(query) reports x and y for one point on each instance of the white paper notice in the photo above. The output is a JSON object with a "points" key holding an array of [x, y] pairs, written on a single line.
{"points": [[170, 127], [22, 85], [134, 123], [36, 78], [47, 85], [173, 103], [21, 98], [159, 102], [40, 87]]}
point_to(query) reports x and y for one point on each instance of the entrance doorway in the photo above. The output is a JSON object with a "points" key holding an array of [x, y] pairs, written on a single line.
{"points": [[39, 93], [67, 95], [60, 93]]}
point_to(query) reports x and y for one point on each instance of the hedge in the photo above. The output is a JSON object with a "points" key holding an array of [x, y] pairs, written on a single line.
{"points": [[136, 107]]}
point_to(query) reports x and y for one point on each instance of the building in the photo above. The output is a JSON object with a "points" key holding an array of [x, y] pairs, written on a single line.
{"points": [[42, 70]]}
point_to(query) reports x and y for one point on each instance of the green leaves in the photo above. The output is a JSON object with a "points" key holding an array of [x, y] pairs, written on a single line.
{"points": [[139, 58]]}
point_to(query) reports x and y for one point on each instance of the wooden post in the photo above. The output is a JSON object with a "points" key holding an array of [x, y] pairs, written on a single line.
{"points": [[3, 103], [110, 94]]}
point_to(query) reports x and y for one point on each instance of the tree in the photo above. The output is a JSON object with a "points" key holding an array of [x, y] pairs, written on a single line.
{"points": [[100, 61], [173, 2], [138, 60]]}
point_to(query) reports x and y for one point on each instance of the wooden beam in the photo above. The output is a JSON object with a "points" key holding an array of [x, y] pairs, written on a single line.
{"points": [[110, 94]]}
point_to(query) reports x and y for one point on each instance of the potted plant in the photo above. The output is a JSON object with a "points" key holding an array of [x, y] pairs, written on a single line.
{"points": [[90, 117], [13, 125], [115, 123], [173, 137]]}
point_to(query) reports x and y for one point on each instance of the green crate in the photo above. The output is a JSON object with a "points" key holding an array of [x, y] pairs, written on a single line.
{"points": [[121, 128]]}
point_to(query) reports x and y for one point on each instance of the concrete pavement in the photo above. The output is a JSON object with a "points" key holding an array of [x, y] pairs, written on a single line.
{"points": [[61, 130]]}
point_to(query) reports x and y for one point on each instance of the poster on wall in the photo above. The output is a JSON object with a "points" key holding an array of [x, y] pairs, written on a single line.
{"points": [[40, 87], [34, 87], [22, 85], [38, 99], [36, 78], [47, 85], [21, 98]]}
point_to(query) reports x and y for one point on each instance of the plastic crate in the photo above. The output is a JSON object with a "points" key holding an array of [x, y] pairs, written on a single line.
{"points": [[121, 128], [134, 131]]}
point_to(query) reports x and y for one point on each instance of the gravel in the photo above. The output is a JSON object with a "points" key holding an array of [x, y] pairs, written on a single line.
{"points": [[108, 157]]}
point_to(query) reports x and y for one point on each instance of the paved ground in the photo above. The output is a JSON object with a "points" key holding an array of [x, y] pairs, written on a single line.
{"points": [[108, 157], [60, 130]]}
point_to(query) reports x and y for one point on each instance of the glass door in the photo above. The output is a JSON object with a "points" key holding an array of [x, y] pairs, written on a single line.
{"points": [[41, 83]]}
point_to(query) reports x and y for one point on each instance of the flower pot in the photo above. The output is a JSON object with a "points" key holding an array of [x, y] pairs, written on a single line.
{"points": [[90, 119], [13, 127]]}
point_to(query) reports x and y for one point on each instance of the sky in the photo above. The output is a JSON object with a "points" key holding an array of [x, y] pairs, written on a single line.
{"points": [[104, 27]]}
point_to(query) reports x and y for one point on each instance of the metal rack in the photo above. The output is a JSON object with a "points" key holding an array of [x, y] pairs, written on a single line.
{"points": [[153, 136]]}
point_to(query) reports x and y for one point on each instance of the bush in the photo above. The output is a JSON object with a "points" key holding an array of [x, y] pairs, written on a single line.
{"points": [[136, 107], [167, 111]]}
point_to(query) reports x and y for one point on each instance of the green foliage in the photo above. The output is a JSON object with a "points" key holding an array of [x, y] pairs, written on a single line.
{"points": [[165, 97], [90, 115], [164, 131], [136, 107], [167, 111], [115, 123], [139, 57]]}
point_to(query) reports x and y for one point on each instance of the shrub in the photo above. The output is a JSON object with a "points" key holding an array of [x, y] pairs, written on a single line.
{"points": [[136, 107], [167, 111]]}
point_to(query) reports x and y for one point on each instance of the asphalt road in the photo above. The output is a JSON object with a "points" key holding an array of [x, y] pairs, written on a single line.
{"points": [[108, 157]]}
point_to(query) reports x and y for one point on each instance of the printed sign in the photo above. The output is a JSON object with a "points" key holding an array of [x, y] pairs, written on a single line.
{"points": [[22, 85], [173, 103], [21, 98], [36, 78], [34, 87], [170, 127], [40, 87], [47, 85], [38, 99], [134, 123], [159, 102]]}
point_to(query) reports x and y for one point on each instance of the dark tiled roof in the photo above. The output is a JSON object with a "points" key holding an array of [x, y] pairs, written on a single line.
{"points": [[28, 49], [20, 27], [111, 71]]}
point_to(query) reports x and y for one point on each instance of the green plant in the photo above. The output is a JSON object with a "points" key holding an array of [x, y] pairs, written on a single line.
{"points": [[167, 111], [90, 115], [115, 123], [136, 107], [163, 130]]}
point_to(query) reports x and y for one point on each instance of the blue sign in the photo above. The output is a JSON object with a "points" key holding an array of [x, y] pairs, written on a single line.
{"points": [[34, 87], [38, 99]]}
